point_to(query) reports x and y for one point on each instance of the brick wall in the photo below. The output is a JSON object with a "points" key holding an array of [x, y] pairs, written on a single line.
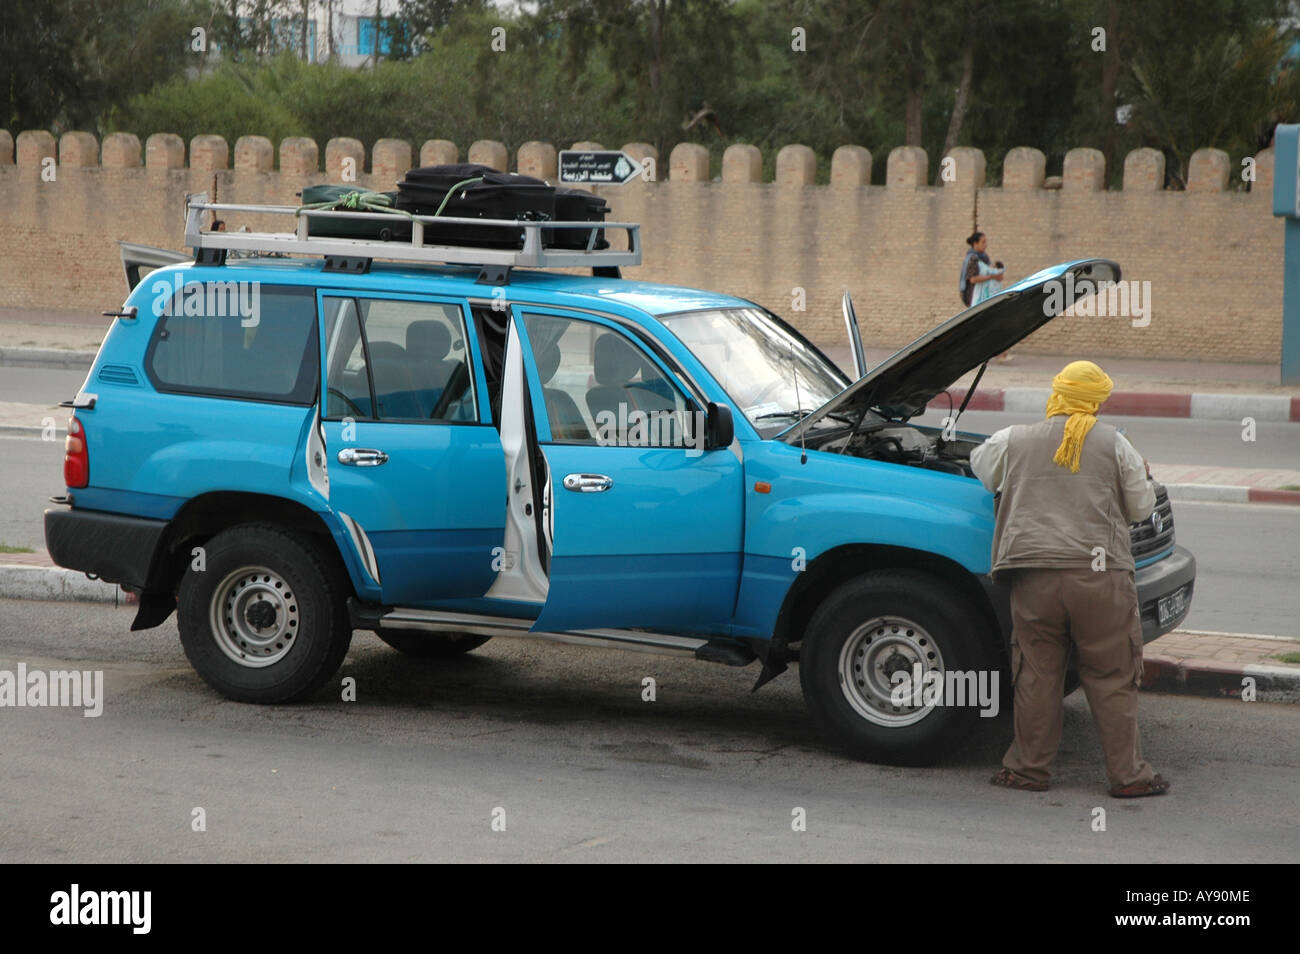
{"points": [[1213, 256]]}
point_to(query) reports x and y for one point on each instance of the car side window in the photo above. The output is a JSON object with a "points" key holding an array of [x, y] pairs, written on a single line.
{"points": [[397, 361], [600, 387], [239, 340]]}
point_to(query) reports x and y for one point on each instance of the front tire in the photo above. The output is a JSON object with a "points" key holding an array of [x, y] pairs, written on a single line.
{"points": [[867, 630], [266, 620]]}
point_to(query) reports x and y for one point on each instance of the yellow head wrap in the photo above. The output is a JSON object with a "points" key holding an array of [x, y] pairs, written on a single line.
{"points": [[1078, 391]]}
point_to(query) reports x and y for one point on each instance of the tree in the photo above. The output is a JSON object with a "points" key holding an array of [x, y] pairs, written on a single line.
{"points": [[668, 60], [65, 63]]}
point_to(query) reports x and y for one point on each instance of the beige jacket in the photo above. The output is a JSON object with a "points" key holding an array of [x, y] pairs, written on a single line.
{"points": [[1048, 516]]}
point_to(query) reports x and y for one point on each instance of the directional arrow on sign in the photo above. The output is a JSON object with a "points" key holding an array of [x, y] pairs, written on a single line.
{"points": [[602, 167]]}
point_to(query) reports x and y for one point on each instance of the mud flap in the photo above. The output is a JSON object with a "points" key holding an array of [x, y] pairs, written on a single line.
{"points": [[154, 610]]}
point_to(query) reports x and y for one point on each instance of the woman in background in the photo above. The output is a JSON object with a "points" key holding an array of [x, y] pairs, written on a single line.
{"points": [[980, 279]]}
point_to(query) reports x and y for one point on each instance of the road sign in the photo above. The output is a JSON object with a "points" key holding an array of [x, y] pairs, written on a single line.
{"points": [[1286, 203], [603, 167], [1286, 171]]}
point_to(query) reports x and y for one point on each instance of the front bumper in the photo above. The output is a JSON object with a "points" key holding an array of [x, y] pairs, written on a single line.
{"points": [[110, 546], [1159, 579]]}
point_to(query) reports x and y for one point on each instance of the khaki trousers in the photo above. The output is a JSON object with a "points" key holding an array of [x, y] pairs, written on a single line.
{"points": [[1098, 611]]}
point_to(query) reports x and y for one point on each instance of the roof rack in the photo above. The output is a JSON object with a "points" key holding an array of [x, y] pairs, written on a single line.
{"points": [[211, 247]]}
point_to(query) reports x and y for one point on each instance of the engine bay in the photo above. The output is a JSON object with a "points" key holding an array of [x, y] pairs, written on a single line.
{"points": [[900, 443]]}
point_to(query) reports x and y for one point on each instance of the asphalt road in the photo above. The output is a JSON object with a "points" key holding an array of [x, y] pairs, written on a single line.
{"points": [[559, 739], [39, 385]]}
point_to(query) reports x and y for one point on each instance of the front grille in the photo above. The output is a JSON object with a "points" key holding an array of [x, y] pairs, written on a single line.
{"points": [[1145, 539]]}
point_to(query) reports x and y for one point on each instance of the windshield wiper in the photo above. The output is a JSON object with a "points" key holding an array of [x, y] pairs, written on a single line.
{"points": [[800, 414]]}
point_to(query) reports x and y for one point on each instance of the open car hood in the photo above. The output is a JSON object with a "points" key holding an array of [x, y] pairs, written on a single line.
{"points": [[904, 383]]}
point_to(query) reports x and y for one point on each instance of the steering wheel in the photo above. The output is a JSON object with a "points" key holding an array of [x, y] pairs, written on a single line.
{"points": [[335, 392]]}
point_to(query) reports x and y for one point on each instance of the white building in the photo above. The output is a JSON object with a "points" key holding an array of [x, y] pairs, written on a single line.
{"points": [[342, 30]]}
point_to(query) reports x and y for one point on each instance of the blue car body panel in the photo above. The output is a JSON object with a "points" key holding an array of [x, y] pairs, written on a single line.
{"points": [[835, 500], [682, 542]]}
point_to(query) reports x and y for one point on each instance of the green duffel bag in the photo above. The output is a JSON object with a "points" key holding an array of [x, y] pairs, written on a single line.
{"points": [[346, 198]]}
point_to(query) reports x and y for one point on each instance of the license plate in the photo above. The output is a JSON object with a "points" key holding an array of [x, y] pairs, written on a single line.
{"points": [[1172, 606]]}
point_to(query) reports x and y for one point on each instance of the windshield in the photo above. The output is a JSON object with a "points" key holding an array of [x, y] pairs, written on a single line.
{"points": [[773, 375]]}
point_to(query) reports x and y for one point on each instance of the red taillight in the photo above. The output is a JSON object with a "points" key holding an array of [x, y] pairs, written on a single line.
{"points": [[76, 459]]}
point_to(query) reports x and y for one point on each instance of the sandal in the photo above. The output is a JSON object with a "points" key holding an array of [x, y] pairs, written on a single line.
{"points": [[1009, 779], [1157, 786]]}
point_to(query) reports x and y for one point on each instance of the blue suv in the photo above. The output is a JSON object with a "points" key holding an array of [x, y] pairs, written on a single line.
{"points": [[448, 447]]}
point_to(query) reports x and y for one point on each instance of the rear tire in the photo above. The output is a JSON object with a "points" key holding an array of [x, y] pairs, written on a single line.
{"points": [[419, 645], [871, 627], [266, 621]]}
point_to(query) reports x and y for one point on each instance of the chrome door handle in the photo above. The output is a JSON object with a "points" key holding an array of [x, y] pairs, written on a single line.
{"points": [[362, 457], [588, 483]]}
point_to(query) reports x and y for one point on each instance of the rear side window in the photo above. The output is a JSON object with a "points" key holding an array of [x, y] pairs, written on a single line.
{"points": [[239, 340], [397, 360]]}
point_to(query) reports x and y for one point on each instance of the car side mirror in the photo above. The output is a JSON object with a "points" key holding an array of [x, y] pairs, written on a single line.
{"points": [[719, 428]]}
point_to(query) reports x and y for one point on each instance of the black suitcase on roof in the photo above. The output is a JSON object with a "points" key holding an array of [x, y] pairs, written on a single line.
{"points": [[468, 190], [577, 205]]}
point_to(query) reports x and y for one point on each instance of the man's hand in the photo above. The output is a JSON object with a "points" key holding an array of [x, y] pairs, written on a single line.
{"points": [[1147, 464]]}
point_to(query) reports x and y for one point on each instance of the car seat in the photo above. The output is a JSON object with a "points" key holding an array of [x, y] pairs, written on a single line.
{"points": [[428, 343], [566, 420]]}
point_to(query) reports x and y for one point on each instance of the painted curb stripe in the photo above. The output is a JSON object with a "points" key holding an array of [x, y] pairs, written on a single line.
{"points": [[1221, 493], [991, 399], [1234, 407], [1148, 404], [1214, 407], [1270, 495]]}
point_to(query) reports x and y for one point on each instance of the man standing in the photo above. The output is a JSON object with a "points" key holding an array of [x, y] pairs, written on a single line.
{"points": [[1068, 488]]}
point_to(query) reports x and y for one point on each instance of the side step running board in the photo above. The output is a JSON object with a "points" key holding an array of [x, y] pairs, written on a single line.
{"points": [[443, 621]]}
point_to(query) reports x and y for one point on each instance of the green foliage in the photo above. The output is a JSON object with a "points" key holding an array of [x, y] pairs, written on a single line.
{"points": [[235, 100], [1220, 89], [65, 63], [990, 73]]}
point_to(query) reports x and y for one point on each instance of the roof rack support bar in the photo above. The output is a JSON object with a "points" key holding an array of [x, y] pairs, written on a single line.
{"points": [[352, 265], [536, 250], [493, 275]]}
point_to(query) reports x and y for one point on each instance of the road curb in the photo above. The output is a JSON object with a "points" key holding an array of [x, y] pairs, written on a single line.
{"points": [[31, 430], [1214, 679], [50, 358], [1226, 493], [1201, 406], [55, 584]]}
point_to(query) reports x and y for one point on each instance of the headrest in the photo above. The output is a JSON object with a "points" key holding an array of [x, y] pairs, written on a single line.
{"points": [[429, 340], [616, 360], [386, 351], [548, 363]]}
